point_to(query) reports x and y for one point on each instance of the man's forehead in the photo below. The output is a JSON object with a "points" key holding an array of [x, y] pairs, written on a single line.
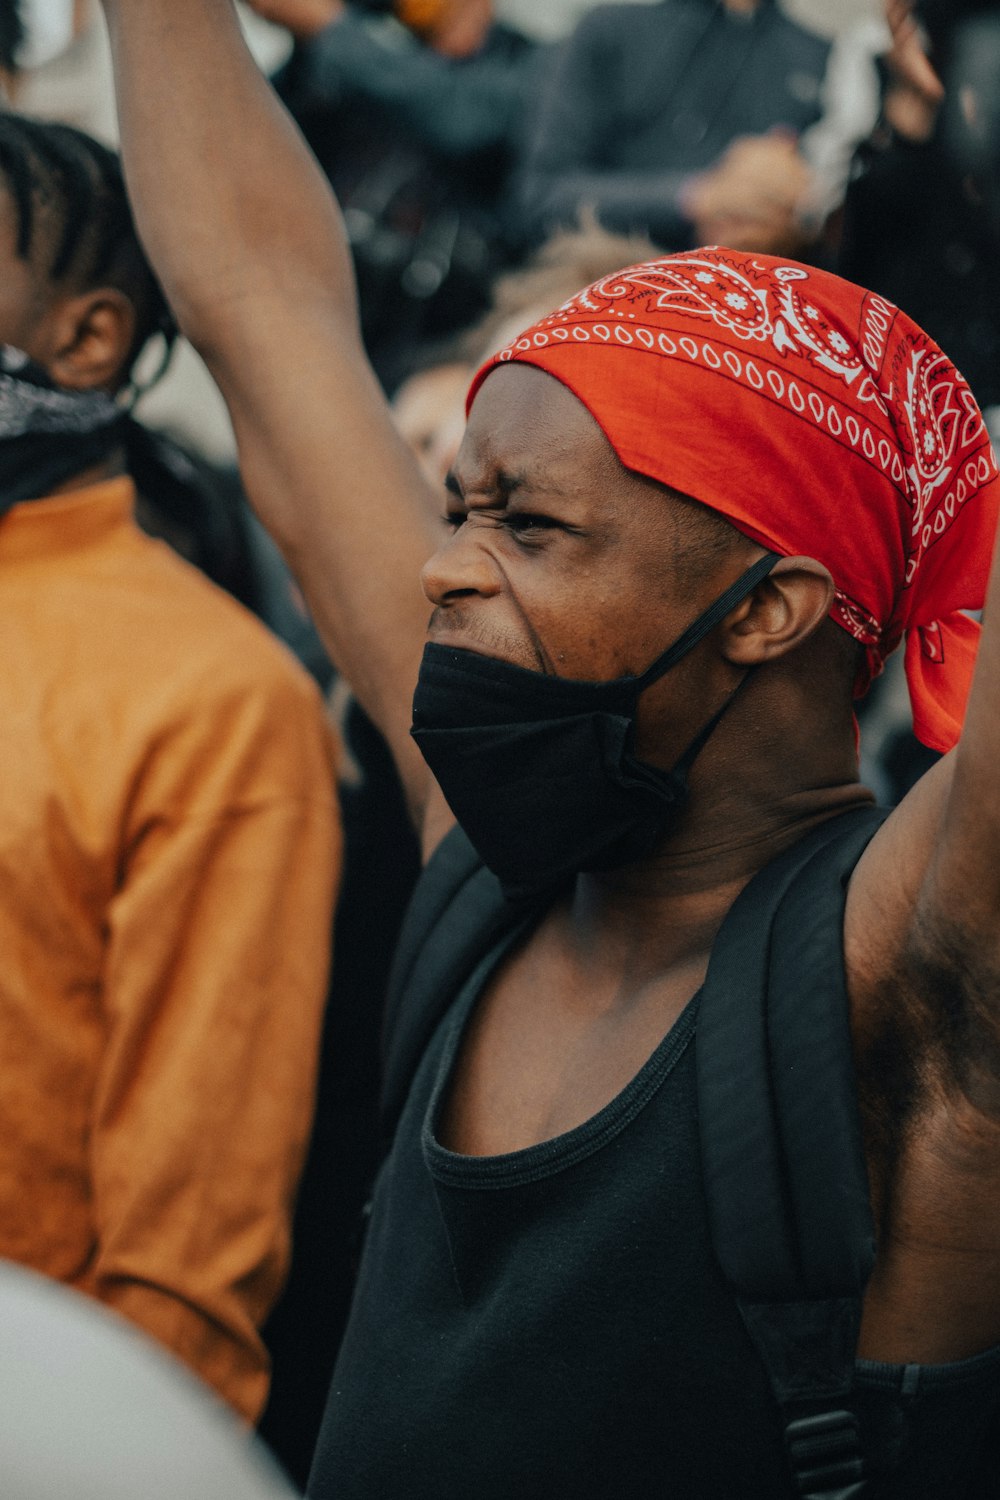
{"points": [[519, 385], [526, 424]]}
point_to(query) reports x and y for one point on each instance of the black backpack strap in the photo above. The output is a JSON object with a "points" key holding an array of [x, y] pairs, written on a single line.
{"points": [[457, 914], [782, 1154]]}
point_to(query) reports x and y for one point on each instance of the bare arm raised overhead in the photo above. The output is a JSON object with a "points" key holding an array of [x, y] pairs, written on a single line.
{"points": [[922, 938], [247, 241]]}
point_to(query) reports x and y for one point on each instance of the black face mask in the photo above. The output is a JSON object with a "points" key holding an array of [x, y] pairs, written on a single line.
{"points": [[49, 434], [540, 771]]}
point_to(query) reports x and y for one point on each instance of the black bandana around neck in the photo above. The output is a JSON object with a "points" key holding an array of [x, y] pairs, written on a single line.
{"points": [[49, 434]]}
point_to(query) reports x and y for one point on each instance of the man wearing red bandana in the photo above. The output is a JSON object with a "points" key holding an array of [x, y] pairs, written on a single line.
{"points": [[694, 1066]]}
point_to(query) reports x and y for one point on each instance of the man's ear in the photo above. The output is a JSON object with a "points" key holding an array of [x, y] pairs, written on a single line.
{"points": [[784, 610], [91, 335]]}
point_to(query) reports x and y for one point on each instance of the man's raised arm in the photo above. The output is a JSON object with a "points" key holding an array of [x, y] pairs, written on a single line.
{"points": [[246, 238]]}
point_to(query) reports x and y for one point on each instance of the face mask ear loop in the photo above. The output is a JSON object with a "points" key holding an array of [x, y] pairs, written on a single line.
{"points": [[698, 629], [134, 391], [687, 760]]}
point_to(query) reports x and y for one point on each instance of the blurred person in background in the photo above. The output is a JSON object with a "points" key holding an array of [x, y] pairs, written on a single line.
{"points": [[94, 1411], [183, 496], [168, 839], [64, 74], [429, 407], [549, 22], [679, 120], [416, 112], [916, 227]]}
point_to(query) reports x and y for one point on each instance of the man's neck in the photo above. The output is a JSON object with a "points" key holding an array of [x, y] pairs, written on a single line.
{"points": [[647, 918]]}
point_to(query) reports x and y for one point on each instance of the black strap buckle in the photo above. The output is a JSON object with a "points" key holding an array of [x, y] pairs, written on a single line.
{"points": [[826, 1456]]}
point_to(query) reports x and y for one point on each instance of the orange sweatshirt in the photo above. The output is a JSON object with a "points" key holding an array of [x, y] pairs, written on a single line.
{"points": [[168, 853]]}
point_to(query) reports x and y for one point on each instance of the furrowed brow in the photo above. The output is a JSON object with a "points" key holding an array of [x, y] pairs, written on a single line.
{"points": [[503, 485]]}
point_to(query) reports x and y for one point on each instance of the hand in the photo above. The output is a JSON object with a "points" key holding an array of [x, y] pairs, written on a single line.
{"points": [[753, 197], [915, 91], [303, 18], [908, 60]]}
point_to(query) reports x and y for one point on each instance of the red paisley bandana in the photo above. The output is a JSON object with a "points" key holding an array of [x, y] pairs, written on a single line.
{"points": [[820, 420]]}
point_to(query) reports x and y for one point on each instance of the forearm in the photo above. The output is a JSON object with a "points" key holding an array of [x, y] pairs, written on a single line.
{"points": [[244, 233], [206, 148]]}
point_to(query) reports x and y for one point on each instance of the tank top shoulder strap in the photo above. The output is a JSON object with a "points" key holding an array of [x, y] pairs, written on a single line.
{"points": [[457, 914]]}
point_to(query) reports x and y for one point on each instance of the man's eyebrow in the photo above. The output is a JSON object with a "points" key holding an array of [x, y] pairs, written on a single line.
{"points": [[504, 483]]}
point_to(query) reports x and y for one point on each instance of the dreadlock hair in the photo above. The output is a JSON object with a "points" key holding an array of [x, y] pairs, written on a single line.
{"points": [[74, 223], [73, 226], [11, 34]]}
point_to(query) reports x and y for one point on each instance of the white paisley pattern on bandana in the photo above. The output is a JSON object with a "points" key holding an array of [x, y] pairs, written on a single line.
{"points": [[904, 409]]}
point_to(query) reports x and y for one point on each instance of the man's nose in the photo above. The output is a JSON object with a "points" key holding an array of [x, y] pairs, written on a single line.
{"points": [[461, 566]]}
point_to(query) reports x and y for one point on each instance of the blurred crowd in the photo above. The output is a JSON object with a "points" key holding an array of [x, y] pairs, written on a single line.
{"points": [[490, 159]]}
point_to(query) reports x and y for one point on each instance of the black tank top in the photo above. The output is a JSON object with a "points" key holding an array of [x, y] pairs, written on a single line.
{"points": [[553, 1323]]}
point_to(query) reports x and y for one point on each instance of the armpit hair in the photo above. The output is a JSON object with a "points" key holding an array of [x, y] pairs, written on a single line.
{"points": [[958, 989]]}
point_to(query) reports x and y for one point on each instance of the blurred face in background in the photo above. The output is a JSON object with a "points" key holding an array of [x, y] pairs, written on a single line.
{"points": [[429, 407], [429, 412]]}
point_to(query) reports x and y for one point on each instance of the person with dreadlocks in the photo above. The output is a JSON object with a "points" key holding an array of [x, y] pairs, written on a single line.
{"points": [[168, 835], [693, 1056]]}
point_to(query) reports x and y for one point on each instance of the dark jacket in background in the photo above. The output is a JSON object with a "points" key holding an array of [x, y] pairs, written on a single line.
{"points": [[917, 231], [642, 96], [420, 149], [458, 107]]}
